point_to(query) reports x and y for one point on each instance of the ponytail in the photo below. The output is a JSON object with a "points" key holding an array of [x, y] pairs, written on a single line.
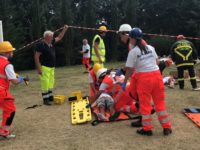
{"points": [[141, 45]]}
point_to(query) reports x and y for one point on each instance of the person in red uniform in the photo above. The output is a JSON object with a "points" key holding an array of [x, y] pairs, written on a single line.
{"points": [[149, 84], [7, 75], [94, 86], [111, 84]]}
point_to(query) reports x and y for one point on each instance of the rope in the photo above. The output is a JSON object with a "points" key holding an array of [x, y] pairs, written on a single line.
{"points": [[94, 29]]}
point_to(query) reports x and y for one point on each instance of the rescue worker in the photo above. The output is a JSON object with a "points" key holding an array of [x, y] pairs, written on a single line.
{"points": [[7, 75], [86, 55], [183, 53], [94, 85], [144, 59], [111, 85], [98, 47], [45, 58]]}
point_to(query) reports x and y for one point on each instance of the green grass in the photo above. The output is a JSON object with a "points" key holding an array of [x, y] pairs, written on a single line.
{"points": [[45, 128]]}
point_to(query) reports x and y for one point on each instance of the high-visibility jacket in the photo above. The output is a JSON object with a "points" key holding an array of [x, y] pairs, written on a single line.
{"points": [[4, 82], [183, 53], [113, 86], [102, 50]]}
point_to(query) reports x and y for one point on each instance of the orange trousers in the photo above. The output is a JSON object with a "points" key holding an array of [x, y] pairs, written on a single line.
{"points": [[150, 87], [8, 107]]}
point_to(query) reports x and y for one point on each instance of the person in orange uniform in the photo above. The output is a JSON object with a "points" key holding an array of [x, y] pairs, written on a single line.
{"points": [[7, 75], [94, 85], [149, 84]]}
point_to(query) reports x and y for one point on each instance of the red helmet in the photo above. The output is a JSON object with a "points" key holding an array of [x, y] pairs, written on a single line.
{"points": [[180, 37]]}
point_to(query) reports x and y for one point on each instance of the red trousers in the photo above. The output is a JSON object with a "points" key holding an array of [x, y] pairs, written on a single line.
{"points": [[8, 107], [86, 62], [125, 103], [150, 87]]}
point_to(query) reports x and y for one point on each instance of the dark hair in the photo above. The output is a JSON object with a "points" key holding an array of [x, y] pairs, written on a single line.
{"points": [[141, 45]]}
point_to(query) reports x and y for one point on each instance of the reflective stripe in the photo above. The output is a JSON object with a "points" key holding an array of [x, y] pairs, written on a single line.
{"points": [[146, 117], [121, 109], [194, 78], [185, 64], [146, 123], [180, 79], [2, 87], [45, 96], [128, 108], [187, 56], [161, 113], [184, 48], [3, 76], [165, 120]]}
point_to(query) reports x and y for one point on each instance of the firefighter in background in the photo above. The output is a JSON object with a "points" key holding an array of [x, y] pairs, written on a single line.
{"points": [[183, 53], [7, 75], [144, 59], [86, 55], [98, 47], [45, 60]]}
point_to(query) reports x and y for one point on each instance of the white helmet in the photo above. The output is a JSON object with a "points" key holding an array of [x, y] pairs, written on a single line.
{"points": [[125, 28], [101, 72]]}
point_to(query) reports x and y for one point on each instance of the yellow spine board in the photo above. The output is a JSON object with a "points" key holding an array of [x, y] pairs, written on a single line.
{"points": [[79, 112]]}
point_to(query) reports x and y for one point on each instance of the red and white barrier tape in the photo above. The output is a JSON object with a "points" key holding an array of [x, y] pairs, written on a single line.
{"points": [[113, 31]]}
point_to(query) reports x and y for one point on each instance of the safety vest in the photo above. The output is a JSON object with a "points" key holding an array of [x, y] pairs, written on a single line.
{"points": [[102, 50], [93, 75], [113, 86], [4, 82]]}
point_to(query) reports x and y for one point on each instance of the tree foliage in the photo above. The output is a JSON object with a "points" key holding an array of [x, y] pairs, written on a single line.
{"points": [[25, 21]]}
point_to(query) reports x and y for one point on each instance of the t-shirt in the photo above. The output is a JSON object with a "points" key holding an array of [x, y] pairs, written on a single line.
{"points": [[10, 73], [142, 62], [48, 55], [84, 49]]}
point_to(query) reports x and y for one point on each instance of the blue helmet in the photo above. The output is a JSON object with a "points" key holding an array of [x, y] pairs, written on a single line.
{"points": [[136, 33]]}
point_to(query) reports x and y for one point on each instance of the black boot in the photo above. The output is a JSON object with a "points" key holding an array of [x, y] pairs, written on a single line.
{"points": [[50, 96], [114, 117], [137, 123], [143, 132], [46, 102], [167, 131]]}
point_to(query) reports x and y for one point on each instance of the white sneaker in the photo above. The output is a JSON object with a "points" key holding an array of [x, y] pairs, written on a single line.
{"points": [[10, 136], [196, 89]]}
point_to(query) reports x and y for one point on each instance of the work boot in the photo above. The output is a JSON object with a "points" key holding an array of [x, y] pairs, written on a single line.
{"points": [[114, 117], [137, 123], [10, 136], [46, 102], [51, 98], [167, 131], [143, 132]]}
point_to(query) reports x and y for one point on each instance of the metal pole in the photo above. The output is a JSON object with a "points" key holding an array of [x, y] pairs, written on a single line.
{"points": [[1, 31]]}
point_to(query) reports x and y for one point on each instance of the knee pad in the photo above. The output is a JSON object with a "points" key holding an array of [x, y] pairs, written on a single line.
{"points": [[10, 119]]}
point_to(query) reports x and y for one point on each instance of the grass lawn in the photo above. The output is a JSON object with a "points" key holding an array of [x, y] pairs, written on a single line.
{"points": [[50, 128]]}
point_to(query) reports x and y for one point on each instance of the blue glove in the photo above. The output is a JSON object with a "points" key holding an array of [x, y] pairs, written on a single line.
{"points": [[124, 86], [119, 72], [21, 79]]}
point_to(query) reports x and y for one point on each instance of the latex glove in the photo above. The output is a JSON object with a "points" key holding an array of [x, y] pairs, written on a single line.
{"points": [[119, 72], [124, 86], [21, 79]]}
